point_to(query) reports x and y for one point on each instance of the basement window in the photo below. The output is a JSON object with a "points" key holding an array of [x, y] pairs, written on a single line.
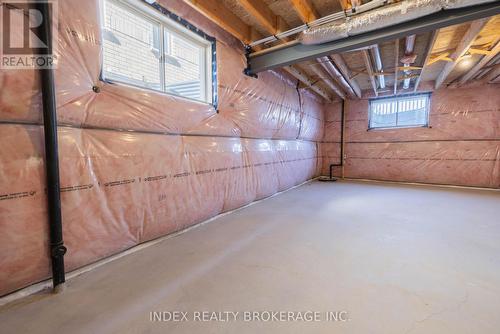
{"points": [[148, 47], [399, 112]]}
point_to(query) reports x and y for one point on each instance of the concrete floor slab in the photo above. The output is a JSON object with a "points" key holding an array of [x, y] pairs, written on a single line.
{"points": [[396, 258]]}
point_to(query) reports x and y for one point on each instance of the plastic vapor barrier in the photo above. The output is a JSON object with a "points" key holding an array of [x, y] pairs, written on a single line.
{"points": [[461, 146], [136, 164]]}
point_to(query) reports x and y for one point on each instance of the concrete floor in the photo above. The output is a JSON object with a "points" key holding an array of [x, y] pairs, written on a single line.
{"points": [[399, 259]]}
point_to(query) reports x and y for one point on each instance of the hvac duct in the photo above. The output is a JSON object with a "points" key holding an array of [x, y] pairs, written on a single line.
{"points": [[379, 18]]}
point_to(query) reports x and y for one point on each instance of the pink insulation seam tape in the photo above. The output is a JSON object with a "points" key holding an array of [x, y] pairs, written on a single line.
{"points": [[183, 162], [461, 146]]}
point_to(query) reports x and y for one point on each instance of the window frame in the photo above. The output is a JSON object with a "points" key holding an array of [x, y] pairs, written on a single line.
{"points": [[397, 98], [169, 21]]}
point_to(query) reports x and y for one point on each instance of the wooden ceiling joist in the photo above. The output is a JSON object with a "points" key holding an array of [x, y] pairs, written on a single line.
{"points": [[481, 64], [369, 69], [302, 77], [222, 16], [273, 24], [464, 45], [227, 20], [426, 63], [346, 72], [324, 75], [307, 13], [345, 4], [261, 12], [333, 71], [305, 10], [493, 76]]}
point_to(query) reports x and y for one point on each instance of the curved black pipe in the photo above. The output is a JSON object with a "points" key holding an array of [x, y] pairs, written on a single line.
{"points": [[57, 249]]}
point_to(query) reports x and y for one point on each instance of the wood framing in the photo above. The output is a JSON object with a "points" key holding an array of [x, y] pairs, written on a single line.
{"points": [[261, 12], [307, 13], [302, 77], [427, 63], [481, 64], [369, 69], [227, 20], [464, 45], [346, 72], [322, 74], [493, 75], [345, 4], [305, 10], [273, 24]]}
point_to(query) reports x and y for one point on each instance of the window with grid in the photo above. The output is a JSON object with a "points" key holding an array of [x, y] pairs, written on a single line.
{"points": [[400, 111], [146, 49]]}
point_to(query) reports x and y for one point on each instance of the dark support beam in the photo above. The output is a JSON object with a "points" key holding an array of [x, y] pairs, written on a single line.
{"points": [[295, 52], [57, 249]]}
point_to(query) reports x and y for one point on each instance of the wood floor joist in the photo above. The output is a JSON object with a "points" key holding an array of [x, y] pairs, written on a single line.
{"points": [[369, 69], [302, 77], [426, 64], [307, 13], [481, 64], [222, 16], [466, 42]]}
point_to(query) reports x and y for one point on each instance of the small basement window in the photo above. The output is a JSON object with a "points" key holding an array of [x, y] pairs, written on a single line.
{"points": [[144, 47], [400, 112]]}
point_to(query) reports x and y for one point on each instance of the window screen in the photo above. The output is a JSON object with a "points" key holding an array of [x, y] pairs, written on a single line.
{"points": [[148, 51], [401, 111]]}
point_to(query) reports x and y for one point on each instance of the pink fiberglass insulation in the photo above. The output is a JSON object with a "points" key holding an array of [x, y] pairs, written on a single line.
{"points": [[461, 146], [136, 164]]}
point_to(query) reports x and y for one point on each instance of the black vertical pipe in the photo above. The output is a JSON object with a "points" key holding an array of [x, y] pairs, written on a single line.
{"points": [[342, 121], [342, 115], [57, 249]]}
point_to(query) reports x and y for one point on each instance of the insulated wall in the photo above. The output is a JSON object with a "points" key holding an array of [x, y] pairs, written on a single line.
{"points": [[135, 164], [461, 146]]}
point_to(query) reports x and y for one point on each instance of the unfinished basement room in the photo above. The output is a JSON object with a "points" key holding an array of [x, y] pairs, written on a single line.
{"points": [[250, 166]]}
